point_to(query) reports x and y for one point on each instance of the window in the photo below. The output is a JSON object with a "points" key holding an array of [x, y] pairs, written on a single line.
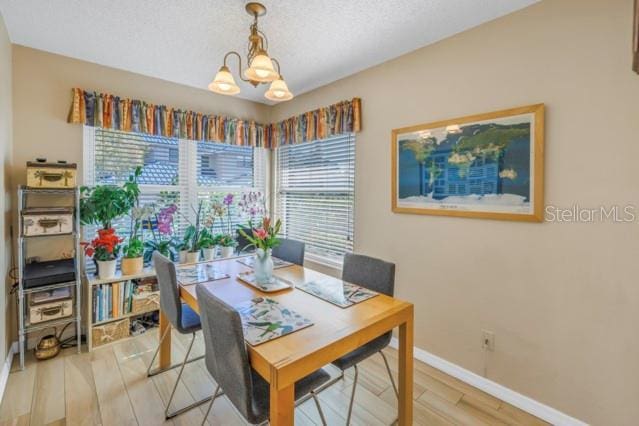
{"points": [[173, 171], [315, 195]]}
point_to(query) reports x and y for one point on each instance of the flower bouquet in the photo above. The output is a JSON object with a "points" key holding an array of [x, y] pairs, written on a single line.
{"points": [[263, 239]]}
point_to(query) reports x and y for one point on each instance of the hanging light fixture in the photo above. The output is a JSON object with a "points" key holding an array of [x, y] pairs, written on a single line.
{"points": [[260, 70]]}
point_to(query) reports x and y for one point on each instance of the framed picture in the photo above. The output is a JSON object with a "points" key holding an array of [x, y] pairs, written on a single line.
{"points": [[484, 166]]}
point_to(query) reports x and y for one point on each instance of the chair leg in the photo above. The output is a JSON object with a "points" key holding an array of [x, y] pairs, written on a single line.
{"points": [[148, 370], [208, 410], [350, 405], [169, 415], [390, 374], [157, 371], [319, 408]]}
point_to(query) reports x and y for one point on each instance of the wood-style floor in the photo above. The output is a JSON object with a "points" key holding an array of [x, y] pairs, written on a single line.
{"points": [[109, 387]]}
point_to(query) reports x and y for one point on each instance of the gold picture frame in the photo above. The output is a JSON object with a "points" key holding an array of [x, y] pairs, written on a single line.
{"points": [[488, 166]]}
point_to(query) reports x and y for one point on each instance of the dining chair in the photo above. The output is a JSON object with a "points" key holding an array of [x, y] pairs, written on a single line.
{"points": [[181, 317], [290, 251], [379, 276], [227, 361], [242, 242]]}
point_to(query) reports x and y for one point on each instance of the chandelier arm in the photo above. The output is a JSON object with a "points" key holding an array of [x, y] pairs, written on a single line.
{"points": [[239, 58], [264, 39], [278, 66]]}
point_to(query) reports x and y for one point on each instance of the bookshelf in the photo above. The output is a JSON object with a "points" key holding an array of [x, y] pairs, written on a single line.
{"points": [[113, 303]]}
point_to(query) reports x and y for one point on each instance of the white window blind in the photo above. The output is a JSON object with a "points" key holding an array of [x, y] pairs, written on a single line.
{"points": [[174, 171], [315, 194]]}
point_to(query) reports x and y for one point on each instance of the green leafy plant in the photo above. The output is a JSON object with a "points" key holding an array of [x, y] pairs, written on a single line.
{"points": [[226, 240], [102, 204], [133, 248], [164, 247], [206, 239]]}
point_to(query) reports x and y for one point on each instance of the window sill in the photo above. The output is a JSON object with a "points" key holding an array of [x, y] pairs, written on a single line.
{"points": [[329, 262]]}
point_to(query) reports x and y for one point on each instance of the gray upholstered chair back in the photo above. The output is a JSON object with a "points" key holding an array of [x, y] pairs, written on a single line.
{"points": [[226, 356], [290, 250], [169, 292], [369, 272]]}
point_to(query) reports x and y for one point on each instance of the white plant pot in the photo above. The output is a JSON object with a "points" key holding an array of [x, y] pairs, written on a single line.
{"points": [[182, 254], [106, 269], [227, 251], [193, 256], [208, 253]]}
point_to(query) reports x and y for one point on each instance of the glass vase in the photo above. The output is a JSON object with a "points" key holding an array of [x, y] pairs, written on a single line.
{"points": [[263, 268]]}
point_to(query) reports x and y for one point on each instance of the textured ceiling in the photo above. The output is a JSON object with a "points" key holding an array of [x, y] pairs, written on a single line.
{"points": [[184, 41]]}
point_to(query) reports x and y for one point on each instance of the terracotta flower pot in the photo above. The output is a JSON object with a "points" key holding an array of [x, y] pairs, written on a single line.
{"points": [[132, 265]]}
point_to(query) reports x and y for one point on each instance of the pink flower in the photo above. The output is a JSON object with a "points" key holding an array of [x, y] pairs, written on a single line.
{"points": [[260, 233]]}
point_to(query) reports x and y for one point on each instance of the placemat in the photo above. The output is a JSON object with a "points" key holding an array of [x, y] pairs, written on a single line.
{"points": [[337, 292], [200, 273], [264, 319], [276, 285]]}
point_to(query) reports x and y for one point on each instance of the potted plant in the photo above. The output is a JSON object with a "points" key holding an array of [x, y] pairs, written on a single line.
{"points": [[227, 245], [160, 225], [207, 243], [104, 250], [190, 244], [133, 259], [263, 239]]}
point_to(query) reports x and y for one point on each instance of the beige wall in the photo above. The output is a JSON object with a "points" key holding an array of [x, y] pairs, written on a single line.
{"points": [[562, 299], [6, 126]]}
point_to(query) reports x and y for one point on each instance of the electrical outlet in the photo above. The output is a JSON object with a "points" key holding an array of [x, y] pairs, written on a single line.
{"points": [[488, 340]]}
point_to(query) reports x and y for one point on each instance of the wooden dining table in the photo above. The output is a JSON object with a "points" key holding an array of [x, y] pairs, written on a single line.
{"points": [[335, 332]]}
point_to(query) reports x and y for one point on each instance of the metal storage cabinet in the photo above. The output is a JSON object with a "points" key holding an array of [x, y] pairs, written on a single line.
{"points": [[24, 327]]}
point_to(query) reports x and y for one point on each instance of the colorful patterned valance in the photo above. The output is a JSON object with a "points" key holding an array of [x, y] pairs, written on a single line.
{"points": [[112, 112], [342, 117]]}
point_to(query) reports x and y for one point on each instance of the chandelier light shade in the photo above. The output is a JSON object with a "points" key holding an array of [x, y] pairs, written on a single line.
{"points": [[260, 70], [224, 83], [278, 91]]}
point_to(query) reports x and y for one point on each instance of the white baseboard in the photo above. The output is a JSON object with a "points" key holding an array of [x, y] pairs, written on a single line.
{"points": [[6, 367], [520, 401]]}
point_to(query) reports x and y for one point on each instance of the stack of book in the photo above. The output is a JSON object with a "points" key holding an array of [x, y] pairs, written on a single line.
{"points": [[112, 301]]}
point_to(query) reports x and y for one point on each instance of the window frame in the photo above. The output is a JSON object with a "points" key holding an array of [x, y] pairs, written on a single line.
{"points": [[188, 186], [318, 258]]}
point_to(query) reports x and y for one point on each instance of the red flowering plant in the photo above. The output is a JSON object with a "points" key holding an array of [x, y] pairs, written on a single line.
{"points": [[265, 236], [105, 246]]}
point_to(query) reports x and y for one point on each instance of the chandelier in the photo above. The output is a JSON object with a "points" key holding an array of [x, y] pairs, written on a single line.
{"points": [[260, 70]]}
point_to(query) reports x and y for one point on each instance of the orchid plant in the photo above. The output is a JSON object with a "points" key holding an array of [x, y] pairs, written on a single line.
{"points": [[161, 228]]}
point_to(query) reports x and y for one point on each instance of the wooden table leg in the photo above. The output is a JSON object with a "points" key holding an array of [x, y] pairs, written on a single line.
{"points": [[165, 349], [406, 372], [282, 405]]}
